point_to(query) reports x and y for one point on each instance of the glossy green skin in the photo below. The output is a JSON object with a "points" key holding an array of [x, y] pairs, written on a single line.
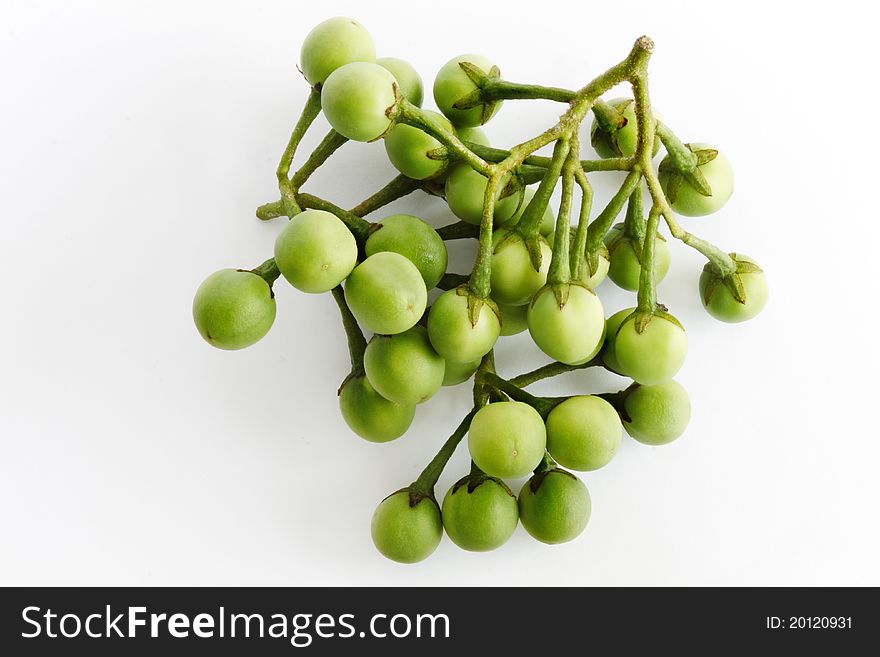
{"points": [[571, 334], [514, 319], [408, 79], [658, 414], [627, 137], [558, 511], [233, 309], [653, 356], [724, 306], [315, 251], [624, 267], [514, 278], [452, 84], [334, 43], [459, 372], [691, 203], [465, 190], [370, 415], [473, 135], [612, 324], [507, 439], [386, 293], [548, 221], [451, 331], [415, 240], [583, 433], [355, 99], [404, 533], [481, 519], [404, 368], [408, 149]]}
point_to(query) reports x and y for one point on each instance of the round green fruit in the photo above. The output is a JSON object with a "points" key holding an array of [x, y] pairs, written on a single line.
{"points": [[452, 84], [357, 99], [572, 333], [473, 136], [315, 251], [583, 433], [233, 309], [625, 267], [612, 324], [407, 527], [656, 354], [657, 414], [514, 319], [415, 240], [480, 513], [453, 334], [409, 149], [404, 368], [334, 43], [465, 190], [554, 506], [688, 200], [459, 372], [507, 439], [620, 142], [718, 298], [408, 79], [514, 279], [370, 415], [386, 293]]}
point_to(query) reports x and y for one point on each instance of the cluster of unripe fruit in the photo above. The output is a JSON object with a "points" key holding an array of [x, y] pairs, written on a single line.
{"points": [[380, 274]]}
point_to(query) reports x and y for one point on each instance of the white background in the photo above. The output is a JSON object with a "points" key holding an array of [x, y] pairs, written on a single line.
{"points": [[136, 139]]}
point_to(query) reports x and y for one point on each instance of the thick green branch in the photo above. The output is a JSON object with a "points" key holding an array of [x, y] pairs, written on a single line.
{"points": [[397, 188], [551, 370], [357, 344]]}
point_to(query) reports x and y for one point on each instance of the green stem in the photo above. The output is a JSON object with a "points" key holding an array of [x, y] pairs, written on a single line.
{"points": [[397, 188], [541, 404], [685, 160], [602, 223], [359, 227], [357, 344], [480, 281], [647, 283], [720, 261], [634, 223], [329, 145], [458, 231], [310, 111], [579, 269], [530, 222], [504, 90], [270, 210], [429, 476], [498, 155], [560, 270], [550, 370], [415, 116], [268, 271], [607, 116]]}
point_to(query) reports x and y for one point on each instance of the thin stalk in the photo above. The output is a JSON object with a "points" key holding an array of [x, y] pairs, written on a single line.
{"points": [[560, 270], [685, 160], [634, 223], [458, 231], [359, 227], [579, 269], [530, 221], [550, 370], [602, 223], [505, 90], [412, 115], [329, 145], [647, 284], [429, 476], [498, 155], [480, 281], [310, 111], [541, 404], [357, 344], [397, 188], [268, 271]]}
